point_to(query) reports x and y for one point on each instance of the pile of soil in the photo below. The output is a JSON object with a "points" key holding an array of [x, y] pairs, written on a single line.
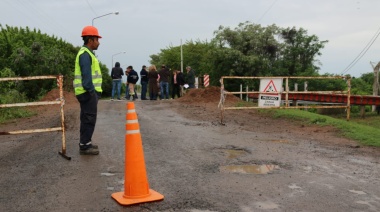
{"points": [[70, 103], [210, 94], [54, 95]]}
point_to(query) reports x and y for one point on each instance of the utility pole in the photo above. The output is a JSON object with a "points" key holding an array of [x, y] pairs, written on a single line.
{"points": [[181, 58], [375, 81]]}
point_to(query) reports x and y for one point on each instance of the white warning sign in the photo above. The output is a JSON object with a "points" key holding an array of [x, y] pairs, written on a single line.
{"points": [[270, 96]]}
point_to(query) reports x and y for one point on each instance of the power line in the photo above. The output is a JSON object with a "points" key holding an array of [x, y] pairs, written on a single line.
{"points": [[39, 18], [362, 53], [270, 7], [92, 9]]}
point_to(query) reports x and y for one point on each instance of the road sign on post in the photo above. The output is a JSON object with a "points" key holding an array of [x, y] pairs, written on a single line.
{"points": [[270, 95]]}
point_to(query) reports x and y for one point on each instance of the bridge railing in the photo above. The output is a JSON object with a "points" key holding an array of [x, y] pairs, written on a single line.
{"points": [[285, 92]]}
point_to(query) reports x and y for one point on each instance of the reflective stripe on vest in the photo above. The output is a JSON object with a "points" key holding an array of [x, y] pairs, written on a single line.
{"points": [[95, 72]]}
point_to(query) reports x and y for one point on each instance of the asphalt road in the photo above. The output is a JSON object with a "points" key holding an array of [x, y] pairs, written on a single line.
{"points": [[196, 165]]}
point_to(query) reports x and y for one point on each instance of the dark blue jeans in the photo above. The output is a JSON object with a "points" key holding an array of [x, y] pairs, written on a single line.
{"points": [[164, 88], [88, 112], [116, 87], [144, 88]]}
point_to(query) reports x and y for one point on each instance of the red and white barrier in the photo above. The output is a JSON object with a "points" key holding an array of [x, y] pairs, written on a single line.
{"points": [[206, 80]]}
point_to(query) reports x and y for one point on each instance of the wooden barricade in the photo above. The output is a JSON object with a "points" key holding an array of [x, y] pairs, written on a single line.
{"points": [[59, 101]]}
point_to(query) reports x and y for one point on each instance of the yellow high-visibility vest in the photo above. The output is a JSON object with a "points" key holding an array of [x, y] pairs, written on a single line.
{"points": [[95, 72]]}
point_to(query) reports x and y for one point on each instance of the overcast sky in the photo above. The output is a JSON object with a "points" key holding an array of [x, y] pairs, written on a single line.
{"points": [[143, 27]]}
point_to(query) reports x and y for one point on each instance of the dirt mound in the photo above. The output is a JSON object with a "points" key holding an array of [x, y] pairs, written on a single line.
{"points": [[54, 94], [206, 95]]}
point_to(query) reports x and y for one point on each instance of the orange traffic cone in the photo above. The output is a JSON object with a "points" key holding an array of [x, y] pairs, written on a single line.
{"points": [[136, 186]]}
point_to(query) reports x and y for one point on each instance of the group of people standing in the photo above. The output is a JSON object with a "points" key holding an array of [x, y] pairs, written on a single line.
{"points": [[132, 78], [88, 85], [156, 83]]}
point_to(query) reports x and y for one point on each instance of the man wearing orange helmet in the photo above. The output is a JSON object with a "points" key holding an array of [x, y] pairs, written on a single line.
{"points": [[88, 88]]}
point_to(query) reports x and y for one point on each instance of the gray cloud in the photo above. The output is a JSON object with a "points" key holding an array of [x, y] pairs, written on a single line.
{"points": [[144, 27]]}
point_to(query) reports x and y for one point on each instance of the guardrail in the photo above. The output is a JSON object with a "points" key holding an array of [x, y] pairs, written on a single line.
{"points": [[60, 101]]}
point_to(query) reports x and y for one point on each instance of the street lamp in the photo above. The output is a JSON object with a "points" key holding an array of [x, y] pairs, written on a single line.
{"points": [[116, 13], [115, 55]]}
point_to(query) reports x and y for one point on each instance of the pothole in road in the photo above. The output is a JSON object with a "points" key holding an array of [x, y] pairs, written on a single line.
{"points": [[249, 169], [234, 152]]}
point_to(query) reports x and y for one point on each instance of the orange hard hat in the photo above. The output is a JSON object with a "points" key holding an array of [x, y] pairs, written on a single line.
{"points": [[90, 31]]}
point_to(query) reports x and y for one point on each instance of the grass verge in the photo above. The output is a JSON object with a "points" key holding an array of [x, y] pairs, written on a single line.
{"points": [[365, 131], [13, 113]]}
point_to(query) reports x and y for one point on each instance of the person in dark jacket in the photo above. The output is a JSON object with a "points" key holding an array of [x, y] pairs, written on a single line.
{"points": [[116, 74], [144, 82], [132, 79], [164, 82], [177, 81], [127, 96], [88, 88], [190, 77], [153, 82]]}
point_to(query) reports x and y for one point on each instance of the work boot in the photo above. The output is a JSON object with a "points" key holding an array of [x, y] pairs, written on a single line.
{"points": [[89, 151], [93, 145]]}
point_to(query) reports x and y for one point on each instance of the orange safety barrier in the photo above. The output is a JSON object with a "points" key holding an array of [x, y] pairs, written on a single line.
{"points": [[136, 186]]}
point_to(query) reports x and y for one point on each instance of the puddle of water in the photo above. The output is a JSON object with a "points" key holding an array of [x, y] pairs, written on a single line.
{"points": [[106, 174], [307, 169], [294, 186], [267, 205], [249, 169], [357, 192], [233, 153], [280, 141], [364, 203]]}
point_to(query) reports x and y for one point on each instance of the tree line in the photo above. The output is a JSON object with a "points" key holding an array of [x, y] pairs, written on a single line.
{"points": [[26, 52], [254, 50], [247, 50]]}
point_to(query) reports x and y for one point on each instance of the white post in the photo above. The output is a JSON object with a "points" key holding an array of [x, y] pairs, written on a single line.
{"points": [[246, 96], [241, 91]]}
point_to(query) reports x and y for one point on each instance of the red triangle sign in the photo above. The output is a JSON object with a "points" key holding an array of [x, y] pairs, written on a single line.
{"points": [[271, 88]]}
